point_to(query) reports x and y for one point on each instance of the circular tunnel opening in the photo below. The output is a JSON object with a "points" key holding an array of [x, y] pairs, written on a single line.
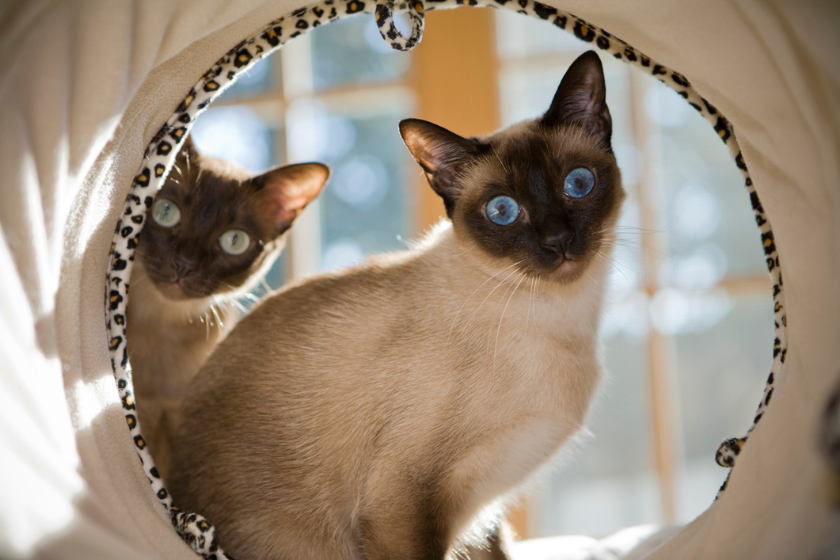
{"points": [[690, 304]]}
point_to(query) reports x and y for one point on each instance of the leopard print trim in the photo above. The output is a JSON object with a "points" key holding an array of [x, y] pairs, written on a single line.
{"points": [[384, 15], [193, 528]]}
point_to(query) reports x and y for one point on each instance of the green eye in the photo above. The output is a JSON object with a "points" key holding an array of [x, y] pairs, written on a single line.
{"points": [[234, 241], [166, 213]]}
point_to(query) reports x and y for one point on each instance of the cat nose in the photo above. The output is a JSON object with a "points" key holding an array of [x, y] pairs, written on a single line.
{"points": [[183, 267], [557, 241]]}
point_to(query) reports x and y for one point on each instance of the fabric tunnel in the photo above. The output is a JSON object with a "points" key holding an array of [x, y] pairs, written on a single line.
{"points": [[95, 100]]}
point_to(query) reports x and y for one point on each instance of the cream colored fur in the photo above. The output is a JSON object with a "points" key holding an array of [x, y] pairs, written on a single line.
{"points": [[348, 413], [169, 340]]}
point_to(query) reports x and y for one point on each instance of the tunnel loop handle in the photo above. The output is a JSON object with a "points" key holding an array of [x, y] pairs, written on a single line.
{"points": [[385, 10]]}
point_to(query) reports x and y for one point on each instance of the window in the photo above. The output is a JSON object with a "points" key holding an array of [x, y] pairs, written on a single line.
{"points": [[690, 316], [334, 95], [689, 323]]}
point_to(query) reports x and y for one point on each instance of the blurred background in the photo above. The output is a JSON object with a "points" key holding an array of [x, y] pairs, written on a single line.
{"points": [[689, 326]]}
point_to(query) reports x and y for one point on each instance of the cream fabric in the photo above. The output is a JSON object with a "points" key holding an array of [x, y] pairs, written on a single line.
{"points": [[85, 85]]}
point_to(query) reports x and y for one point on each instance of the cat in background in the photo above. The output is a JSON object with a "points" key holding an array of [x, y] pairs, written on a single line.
{"points": [[213, 232], [374, 412]]}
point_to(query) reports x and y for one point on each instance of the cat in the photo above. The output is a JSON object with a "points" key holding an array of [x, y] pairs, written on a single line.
{"points": [[372, 413], [213, 232]]}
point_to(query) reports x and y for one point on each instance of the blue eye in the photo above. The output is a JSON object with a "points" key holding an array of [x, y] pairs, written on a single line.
{"points": [[579, 183], [502, 210]]}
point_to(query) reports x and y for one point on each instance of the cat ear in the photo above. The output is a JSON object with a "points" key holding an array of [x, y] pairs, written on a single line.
{"points": [[442, 155], [286, 191], [188, 152], [581, 99], [188, 149]]}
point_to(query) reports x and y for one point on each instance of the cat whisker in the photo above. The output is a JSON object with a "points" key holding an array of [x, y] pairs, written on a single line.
{"points": [[499, 329], [640, 245], [464, 252], [266, 287], [628, 243], [236, 303], [620, 236], [530, 295], [498, 158], [454, 319], [638, 230], [204, 319], [624, 236], [216, 314], [491, 293], [539, 279], [217, 302], [617, 267], [629, 284], [588, 275], [530, 302], [227, 286], [228, 298]]}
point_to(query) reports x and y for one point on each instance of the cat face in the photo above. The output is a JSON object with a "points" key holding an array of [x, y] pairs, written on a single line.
{"points": [[213, 224], [544, 194]]}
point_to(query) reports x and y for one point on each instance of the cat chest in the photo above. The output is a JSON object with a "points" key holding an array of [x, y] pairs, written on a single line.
{"points": [[534, 401], [539, 372], [505, 457]]}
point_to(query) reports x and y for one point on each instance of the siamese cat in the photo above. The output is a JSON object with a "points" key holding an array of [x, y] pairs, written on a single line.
{"points": [[372, 413], [214, 230]]}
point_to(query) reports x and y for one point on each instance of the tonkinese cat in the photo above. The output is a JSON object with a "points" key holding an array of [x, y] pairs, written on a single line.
{"points": [[213, 231], [372, 413]]}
